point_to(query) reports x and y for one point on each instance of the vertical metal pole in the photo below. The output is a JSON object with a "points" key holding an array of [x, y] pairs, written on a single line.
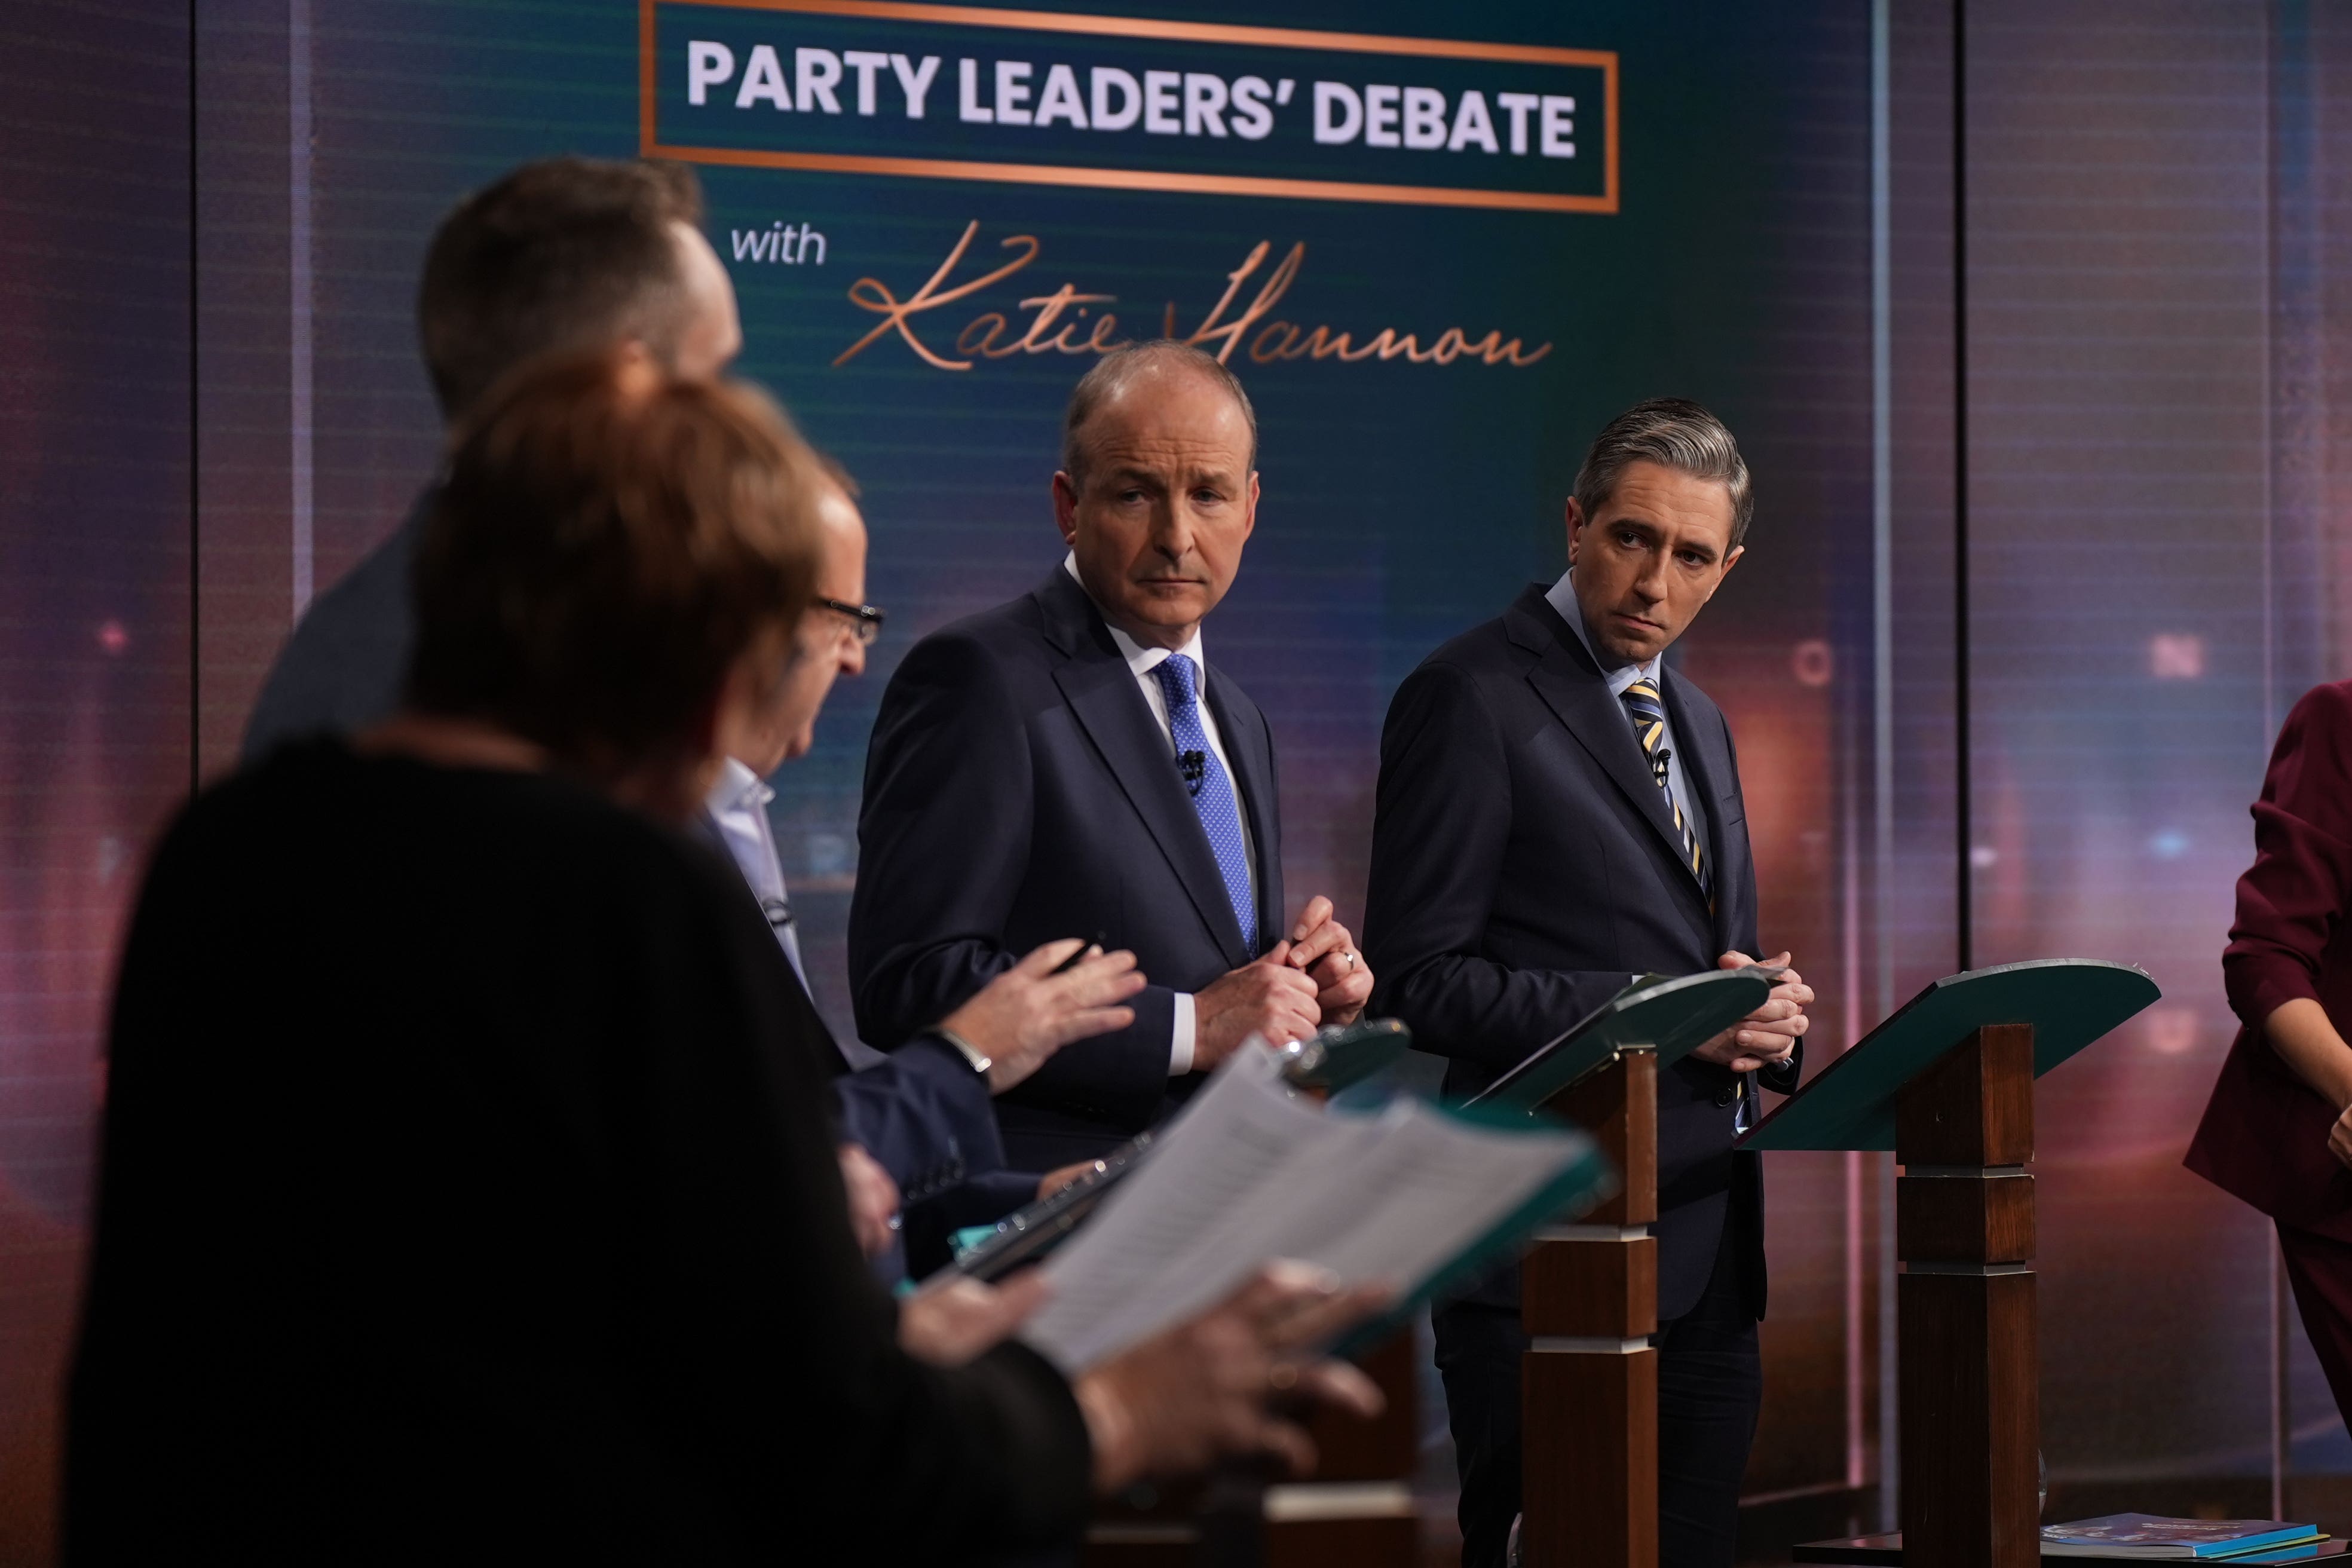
{"points": [[1882, 727], [1960, 773], [298, 289]]}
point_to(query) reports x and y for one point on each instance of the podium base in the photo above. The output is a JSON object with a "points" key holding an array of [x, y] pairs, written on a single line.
{"points": [[1888, 1549]]}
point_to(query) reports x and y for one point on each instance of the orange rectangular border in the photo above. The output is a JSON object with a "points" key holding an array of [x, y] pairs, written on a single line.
{"points": [[650, 147]]}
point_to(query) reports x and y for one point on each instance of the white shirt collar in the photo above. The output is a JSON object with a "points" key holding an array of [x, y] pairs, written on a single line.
{"points": [[737, 788], [1140, 659], [1561, 597]]}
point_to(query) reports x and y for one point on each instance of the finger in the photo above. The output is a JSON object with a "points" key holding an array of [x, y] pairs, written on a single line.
{"points": [[1777, 961], [1278, 955], [1342, 1385], [1328, 937], [1317, 913], [1352, 989], [1735, 959], [1288, 1443], [1093, 985], [1278, 1291], [1289, 982], [1044, 960], [1319, 1320], [1020, 1295]]}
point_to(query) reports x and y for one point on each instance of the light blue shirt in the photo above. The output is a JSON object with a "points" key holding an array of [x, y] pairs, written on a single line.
{"points": [[1563, 597], [738, 805]]}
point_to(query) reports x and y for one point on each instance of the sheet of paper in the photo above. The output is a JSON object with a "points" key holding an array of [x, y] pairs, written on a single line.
{"points": [[1240, 1130], [1251, 1174]]}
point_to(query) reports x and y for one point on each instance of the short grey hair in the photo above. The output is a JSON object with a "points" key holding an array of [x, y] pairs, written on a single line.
{"points": [[1109, 377], [1673, 433]]}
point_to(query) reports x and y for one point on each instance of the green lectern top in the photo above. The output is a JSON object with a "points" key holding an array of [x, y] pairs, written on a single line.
{"points": [[2069, 1001], [1671, 1017]]}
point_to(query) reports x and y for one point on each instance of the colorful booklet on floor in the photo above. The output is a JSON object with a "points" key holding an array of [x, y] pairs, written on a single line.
{"points": [[2146, 1535]]}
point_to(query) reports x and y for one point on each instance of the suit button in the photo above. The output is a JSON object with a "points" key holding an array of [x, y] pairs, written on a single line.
{"points": [[1726, 1095]]}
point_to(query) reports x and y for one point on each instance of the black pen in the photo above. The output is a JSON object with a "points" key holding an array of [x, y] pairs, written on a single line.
{"points": [[1101, 944]]}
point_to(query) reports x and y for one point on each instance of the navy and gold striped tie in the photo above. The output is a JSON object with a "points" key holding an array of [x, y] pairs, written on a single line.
{"points": [[1648, 712]]}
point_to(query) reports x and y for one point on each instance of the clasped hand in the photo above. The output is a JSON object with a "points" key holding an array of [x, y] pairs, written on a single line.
{"points": [[1314, 977], [1767, 1035]]}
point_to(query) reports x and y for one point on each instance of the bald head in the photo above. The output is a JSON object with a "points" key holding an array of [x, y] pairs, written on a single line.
{"points": [[1148, 369], [1158, 488]]}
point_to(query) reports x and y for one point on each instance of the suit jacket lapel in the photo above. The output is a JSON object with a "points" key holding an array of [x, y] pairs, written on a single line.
{"points": [[1572, 687], [1698, 742], [1252, 753], [1101, 691]]}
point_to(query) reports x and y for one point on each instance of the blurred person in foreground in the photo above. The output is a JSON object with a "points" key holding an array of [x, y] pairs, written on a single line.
{"points": [[585, 255], [467, 1195], [2277, 1132]]}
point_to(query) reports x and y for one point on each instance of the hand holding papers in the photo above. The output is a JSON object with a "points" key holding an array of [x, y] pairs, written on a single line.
{"points": [[1411, 1197]]}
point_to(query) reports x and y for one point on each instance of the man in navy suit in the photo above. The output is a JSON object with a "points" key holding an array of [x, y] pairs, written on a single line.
{"points": [[1558, 813], [1069, 763]]}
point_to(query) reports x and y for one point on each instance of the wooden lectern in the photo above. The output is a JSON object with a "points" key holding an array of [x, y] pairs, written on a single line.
{"points": [[1947, 1084], [1588, 1292], [1589, 1382]]}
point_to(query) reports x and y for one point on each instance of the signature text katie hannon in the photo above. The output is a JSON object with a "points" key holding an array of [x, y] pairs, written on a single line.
{"points": [[1068, 322]]}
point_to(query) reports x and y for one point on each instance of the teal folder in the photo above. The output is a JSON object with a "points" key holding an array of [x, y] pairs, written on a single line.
{"points": [[1851, 1105], [1671, 1017]]}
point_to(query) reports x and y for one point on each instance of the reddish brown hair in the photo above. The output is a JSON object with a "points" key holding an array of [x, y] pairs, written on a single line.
{"points": [[606, 546]]}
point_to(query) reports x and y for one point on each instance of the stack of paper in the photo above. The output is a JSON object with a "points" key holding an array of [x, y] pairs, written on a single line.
{"points": [[2145, 1536], [1412, 1197]]}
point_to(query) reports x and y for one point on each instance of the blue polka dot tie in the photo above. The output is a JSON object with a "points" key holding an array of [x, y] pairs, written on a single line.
{"points": [[1212, 788]]}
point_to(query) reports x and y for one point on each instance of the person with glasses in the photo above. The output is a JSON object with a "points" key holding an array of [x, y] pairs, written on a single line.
{"points": [[920, 1116], [569, 255]]}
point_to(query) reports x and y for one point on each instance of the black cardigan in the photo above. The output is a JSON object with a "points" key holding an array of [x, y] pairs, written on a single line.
{"points": [[466, 1193]]}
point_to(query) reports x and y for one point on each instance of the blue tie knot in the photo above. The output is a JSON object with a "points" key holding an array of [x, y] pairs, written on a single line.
{"points": [[1178, 682]]}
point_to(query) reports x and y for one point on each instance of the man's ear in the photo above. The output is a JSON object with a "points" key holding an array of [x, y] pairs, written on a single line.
{"points": [[1575, 526], [1249, 517], [1066, 507]]}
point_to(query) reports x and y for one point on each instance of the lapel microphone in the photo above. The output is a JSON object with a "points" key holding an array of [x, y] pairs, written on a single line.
{"points": [[1194, 766]]}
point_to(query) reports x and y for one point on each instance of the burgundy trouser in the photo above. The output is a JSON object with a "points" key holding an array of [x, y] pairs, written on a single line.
{"points": [[2320, 1269]]}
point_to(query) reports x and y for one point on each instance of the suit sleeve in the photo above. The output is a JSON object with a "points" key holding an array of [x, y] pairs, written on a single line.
{"points": [[925, 1117], [942, 838], [2290, 900], [1441, 831]]}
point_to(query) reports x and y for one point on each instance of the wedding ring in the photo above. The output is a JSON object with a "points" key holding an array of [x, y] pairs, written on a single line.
{"points": [[1350, 958]]}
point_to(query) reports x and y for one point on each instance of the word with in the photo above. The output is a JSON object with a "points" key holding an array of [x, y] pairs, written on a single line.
{"points": [[782, 242], [1415, 117], [1058, 322]]}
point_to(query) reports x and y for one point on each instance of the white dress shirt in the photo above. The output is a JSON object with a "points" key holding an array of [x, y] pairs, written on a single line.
{"points": [[1563, 597], [1143, 661], [738, 804]]}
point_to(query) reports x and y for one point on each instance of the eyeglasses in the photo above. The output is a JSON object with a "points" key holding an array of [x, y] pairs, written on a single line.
{"points": [[867, 618]]}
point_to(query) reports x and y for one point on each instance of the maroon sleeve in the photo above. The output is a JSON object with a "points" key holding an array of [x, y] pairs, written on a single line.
{"points": [[2290, 900]]}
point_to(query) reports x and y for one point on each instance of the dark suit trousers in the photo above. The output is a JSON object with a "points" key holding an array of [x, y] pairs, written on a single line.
{"points": [[1710, 1384]]}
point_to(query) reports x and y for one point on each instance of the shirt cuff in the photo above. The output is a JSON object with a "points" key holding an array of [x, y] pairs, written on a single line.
{"points": [[1180, 1037]]}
